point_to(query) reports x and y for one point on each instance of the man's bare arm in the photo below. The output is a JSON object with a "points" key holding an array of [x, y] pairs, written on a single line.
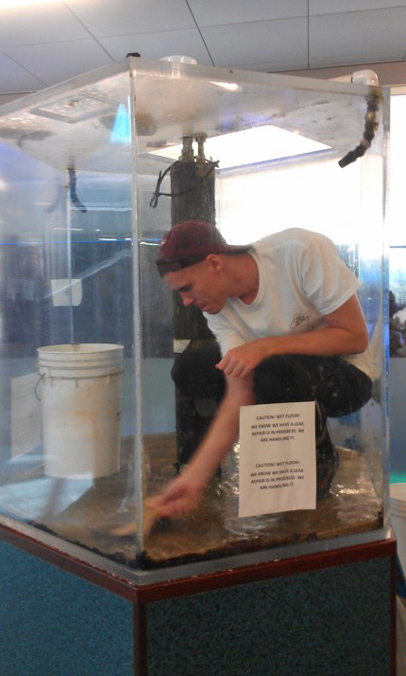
{"points": [[184, 492]]}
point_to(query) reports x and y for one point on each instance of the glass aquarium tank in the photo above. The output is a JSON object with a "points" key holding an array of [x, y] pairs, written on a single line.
{"points": [[93, 172]]}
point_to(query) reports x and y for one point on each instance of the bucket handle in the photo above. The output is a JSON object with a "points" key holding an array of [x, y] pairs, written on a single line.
{"points": [[41, 376]]}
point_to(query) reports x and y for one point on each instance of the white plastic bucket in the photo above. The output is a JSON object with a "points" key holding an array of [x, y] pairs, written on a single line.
{"points": [[80, 392], [398, 518]]}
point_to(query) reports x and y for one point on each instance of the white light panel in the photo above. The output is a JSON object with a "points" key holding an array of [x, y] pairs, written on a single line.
{"points": [[251, 146]]}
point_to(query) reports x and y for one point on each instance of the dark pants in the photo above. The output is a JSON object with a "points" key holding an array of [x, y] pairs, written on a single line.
{"points": [[337, 387]]}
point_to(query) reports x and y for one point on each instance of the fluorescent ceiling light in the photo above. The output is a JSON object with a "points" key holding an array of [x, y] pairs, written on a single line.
{"points": [[65, 229], [251, 146]]}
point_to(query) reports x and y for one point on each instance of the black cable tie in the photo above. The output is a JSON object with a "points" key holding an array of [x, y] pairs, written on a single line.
{"points": [[72, 191]]}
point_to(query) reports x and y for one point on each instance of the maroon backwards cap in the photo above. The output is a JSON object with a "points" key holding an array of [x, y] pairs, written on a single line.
{"points": [[189, 242]]}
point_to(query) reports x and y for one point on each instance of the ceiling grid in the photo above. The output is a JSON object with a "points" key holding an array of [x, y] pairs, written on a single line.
{"points": [[43, 45]]}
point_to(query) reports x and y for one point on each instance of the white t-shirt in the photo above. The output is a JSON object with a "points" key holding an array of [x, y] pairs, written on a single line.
{"points": [[301, 278]]}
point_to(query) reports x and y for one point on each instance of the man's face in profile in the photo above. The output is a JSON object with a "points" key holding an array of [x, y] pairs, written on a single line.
{"points": [[200, 285]]}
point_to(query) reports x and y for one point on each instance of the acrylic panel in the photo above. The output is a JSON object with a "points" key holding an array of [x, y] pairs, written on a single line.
{"points": [[93, 173]]}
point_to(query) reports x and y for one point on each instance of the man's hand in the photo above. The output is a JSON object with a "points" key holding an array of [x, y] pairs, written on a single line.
{"points": [[239, 362], [179, 497]]}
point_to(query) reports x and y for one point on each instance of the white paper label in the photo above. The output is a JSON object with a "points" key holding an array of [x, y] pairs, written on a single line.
{"points": [[277, 458], [66, 292]]}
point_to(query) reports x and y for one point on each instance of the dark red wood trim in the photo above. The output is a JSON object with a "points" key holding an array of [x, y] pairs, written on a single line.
{"points": [[197, 583], [140, 639], [266, 571], [393, 612]]}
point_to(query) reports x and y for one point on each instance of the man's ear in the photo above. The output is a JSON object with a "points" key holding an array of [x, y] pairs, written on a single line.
{"points": [[215, 262]]}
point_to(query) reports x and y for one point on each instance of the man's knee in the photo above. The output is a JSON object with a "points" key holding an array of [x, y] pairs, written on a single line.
{"points": [[276, 381], [194, 371]]}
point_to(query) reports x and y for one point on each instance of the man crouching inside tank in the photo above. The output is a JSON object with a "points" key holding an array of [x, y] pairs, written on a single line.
{"points": [[285, 313]]}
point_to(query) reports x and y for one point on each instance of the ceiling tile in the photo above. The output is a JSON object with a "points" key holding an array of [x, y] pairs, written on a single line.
{"points": [[353, 61], [366, 35], [262, 41], [56, 63], [128, 17], [332, 7], [214, 13], [156, 45], [14, 78], [29, 25], [275, 66], [263, 35]]}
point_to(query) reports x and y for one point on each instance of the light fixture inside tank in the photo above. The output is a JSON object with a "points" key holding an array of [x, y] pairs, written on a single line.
{"points": [[251, 146]]}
